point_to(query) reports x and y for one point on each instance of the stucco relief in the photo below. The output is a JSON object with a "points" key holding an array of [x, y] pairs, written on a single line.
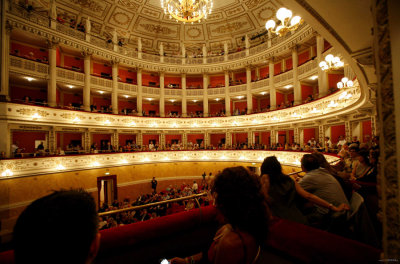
{"points": [[194, 32], [129, 4]]}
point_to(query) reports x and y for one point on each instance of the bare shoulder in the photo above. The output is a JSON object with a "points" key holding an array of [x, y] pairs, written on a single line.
{"points": [[230, 249]]}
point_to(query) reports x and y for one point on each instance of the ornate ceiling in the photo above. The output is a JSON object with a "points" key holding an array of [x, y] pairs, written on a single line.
{"points": [[229, 21]]}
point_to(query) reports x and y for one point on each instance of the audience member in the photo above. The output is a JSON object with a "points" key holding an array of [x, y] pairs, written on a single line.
{"points": [[48, 230]]}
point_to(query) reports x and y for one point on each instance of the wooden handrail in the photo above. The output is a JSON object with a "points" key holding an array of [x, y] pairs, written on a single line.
{"points": [[195, 196]]}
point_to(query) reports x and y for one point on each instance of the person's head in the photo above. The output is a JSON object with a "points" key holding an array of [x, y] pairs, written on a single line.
{"points": [[326, 138], [345, 146], [48, 230], [374, 156], [273, 168], [367, 137], [309, 163], [324, 163], [353, 151], [154, 178], [364, 146], [363, 156], [341, 137], [355, 138], [241, 200], [376, 140]]}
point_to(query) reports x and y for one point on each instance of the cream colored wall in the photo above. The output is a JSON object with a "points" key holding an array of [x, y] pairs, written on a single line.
{"points": [[19, 192]]}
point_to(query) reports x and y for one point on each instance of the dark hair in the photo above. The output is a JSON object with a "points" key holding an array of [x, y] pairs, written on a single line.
{"points": [[324, 163], [273, 168], [327, 138], [242, 201], [58, 228], [365, 155], [354, 148], [309, 162]]}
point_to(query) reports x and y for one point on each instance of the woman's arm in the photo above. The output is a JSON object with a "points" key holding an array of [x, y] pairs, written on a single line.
{"points": [[365, 172], [353, 173], [196, 258], [318, 201]]}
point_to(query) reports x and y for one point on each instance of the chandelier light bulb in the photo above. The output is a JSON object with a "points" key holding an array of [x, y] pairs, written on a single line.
{"points": [[339, 85], [322, 64], [295, 20], [344, 80], [329, 57], [336, 60], [281, 14], [288, 14], [350, 84], [270, 24]]}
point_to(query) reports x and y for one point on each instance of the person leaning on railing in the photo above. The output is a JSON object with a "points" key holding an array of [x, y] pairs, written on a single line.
{"points": [[243, 204]]}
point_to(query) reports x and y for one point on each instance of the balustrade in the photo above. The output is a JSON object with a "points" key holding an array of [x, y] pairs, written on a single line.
{"points": [[21, 64]]}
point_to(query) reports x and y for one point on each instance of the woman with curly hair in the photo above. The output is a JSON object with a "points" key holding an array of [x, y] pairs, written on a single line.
{"points": [[241, 201]]}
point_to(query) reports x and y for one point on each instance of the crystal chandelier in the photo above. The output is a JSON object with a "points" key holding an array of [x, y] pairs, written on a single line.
{"points": [[187, 10], [331, 63], [284, 15]]}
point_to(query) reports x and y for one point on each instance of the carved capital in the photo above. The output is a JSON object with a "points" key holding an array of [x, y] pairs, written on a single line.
{"points": [[271, 59], [52, 44], [249, 67], [342, 117], [294, 47], [315, 33], [161, 73], [139, 69], [9, 28], [183, 74], [114, 63], [87, 55]]}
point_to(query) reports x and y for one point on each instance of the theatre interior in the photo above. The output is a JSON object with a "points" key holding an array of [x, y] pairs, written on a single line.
{"points": [[106, 95]]}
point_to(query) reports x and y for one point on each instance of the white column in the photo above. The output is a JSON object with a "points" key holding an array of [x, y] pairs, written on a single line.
{"points": [[52, 85], [88, 29], [322, 76], [139, 45], [184, 102], [5, 55], [204, 54], [226, 51], [183, 54], [248, 87], [5, 140], [114, 94], [257, 72], [283, 65], [86, 88], [247, 43], [161, 52], [227, 98], [162, 94], [272, 90], [139, 100], [296, 82], [269, 41], [311, 52], [348, 71], [205, 95]]}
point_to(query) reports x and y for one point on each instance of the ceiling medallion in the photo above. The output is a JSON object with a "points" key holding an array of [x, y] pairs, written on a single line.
{"points": [[157, 29], [229, 27], [193, 32], [92, 5], [266, 13], [121, 18], [187, 10]]}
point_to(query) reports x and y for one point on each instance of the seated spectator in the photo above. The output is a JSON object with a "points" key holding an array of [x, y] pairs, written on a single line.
{"points": [[288, 104], [81, 27], [109, 109], [3, 155], [189, 205], [371, 174], [319, 182], [120, 43], [45, 60], [342, 140], [72, 23], [48, 229], [27, 100], [108, 40], [31, 56], [284, 193], [362, 167], [246, 219], [60, 152], [344, 151], [60, 19]]}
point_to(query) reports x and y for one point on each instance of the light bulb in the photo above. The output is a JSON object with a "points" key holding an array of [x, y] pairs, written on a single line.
{"points": [[322, 64], [336, 60], [349, 83], [295, 20], [270, 24], [329, 57], [281, 14], [344, 80], [339, 85], [288, 14]]}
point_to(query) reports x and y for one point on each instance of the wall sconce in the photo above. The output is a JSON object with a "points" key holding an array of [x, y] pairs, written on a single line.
{"points": [[36, 116], [126, 96], [234, 123], [30, 79], [60, 167], [96, 164], [185, 158], [279, 159], [70, 86], [242, 158], [7, 173], [133, 124], [223, 157], [345, 83], [124, 161], [214, 124], [154, 124], [262, 93], [174, 125], [260, 158], [76, 120], [255, 122], [294, 114], [195, 125], [107, 122], [204, 157], [217, 99], [146, 159], [166, 158]]}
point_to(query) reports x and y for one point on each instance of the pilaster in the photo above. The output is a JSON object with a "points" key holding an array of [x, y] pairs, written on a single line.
{"points": [[139, 100], [272, 90], [162, 94], [184, 100], [114, 94], [52, 84], [248, 88], [86, 88]]}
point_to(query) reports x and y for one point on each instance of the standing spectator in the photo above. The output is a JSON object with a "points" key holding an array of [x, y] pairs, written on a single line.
{"points": [[342, 140], [154, 184], [3, 155], [375, 143], [72, 23], [195, 187], [328, 141], [312, 141], [356, 141], [14, 147], [60, 19]]}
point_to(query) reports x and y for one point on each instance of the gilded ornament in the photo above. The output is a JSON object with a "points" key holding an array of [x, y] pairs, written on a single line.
{"points": [[157, 29], [229, 27]]}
